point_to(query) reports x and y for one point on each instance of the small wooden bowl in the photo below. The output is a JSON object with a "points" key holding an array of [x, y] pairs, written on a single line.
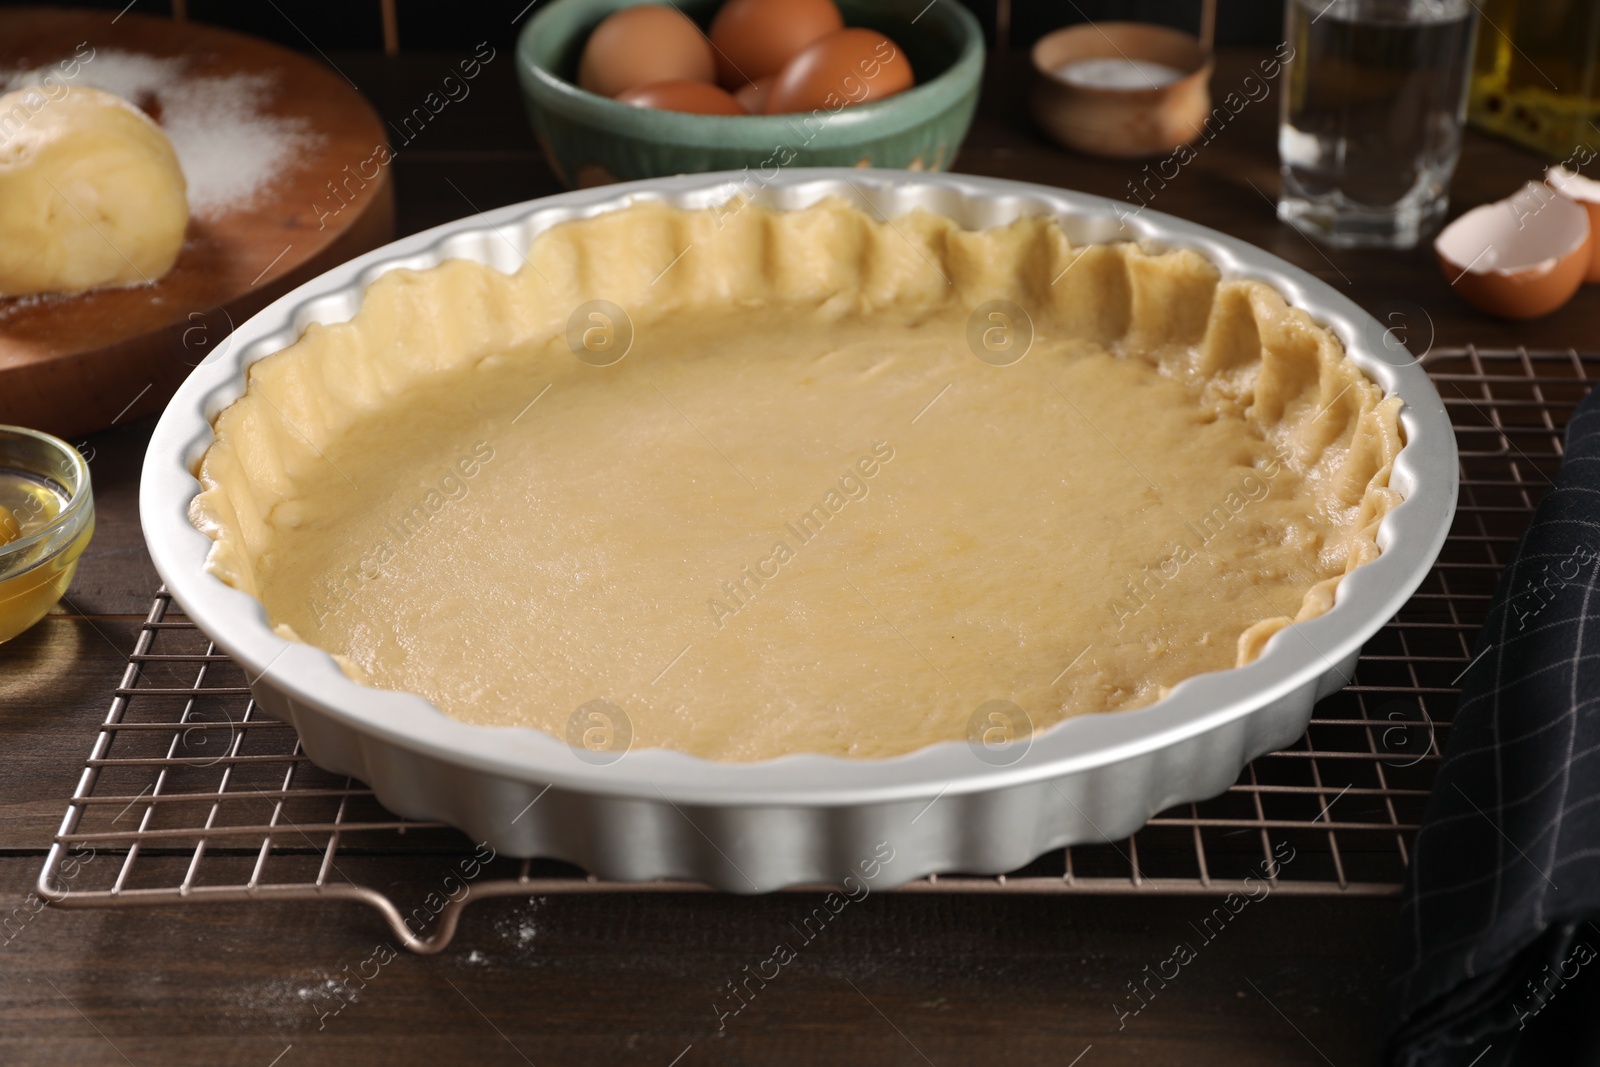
{"points": [[1121, 123]]}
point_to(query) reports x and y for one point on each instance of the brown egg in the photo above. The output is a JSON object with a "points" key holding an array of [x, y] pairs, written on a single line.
{"points": [[642, 45], [753, 96], [854, 66], [1517, 258], [755, 39], [700, 98]]}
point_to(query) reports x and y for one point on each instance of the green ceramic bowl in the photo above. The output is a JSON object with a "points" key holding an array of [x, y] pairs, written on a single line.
{"points": [[590, 139]]}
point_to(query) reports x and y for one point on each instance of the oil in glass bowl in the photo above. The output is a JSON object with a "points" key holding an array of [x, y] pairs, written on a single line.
{"points": [[46, 520]]}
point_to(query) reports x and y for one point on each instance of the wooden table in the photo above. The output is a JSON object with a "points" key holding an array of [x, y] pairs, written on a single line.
{"points": [[631, 979]]}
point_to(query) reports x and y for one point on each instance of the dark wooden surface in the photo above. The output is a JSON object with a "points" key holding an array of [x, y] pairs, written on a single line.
{"points": [[631, 979]]}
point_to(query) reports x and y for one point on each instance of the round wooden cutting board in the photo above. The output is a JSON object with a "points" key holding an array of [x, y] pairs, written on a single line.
{"points": [[72, 364]]}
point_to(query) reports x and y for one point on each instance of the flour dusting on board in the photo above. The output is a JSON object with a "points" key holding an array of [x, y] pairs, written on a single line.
{"points": [[230, 149]]}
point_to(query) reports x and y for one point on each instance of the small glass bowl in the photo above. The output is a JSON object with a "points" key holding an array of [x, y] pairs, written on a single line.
{"points": [[44, 483]]}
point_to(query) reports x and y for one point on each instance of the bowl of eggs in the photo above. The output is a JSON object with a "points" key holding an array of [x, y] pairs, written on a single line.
{"points": [[624, 89]]}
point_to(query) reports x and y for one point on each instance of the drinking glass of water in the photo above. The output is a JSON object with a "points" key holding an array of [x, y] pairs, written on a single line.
{"points": [[1373, 101]]}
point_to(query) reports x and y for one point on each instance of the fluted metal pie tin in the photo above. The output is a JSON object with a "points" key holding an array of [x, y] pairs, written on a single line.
{"points": [[754, 827]]}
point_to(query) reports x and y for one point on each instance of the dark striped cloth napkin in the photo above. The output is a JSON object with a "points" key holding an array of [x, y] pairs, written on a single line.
{"points": [[1499, 930]]}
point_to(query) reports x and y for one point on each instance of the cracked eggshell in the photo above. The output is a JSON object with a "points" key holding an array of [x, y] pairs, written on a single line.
{"points": [[1586, 191], [1518, 258]]}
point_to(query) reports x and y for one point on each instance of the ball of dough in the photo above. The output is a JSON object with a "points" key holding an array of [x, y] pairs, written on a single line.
{"points": [[91, 193]]}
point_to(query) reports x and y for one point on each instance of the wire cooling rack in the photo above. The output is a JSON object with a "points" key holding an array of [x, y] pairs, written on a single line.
{"points": [[191, 794]]}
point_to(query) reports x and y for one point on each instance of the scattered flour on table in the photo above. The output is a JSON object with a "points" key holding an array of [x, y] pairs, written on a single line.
{"points": [[286, 1003], [230, 149], [517, 928]]}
